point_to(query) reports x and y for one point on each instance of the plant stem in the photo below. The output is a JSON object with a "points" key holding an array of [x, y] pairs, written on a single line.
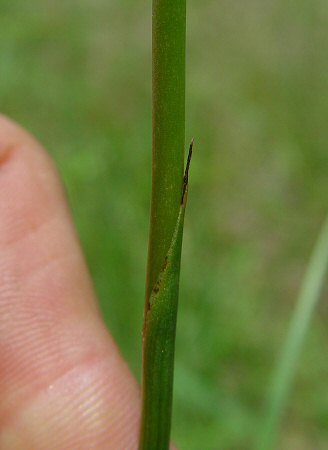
{"points": [[169, 25], [166, 221]]}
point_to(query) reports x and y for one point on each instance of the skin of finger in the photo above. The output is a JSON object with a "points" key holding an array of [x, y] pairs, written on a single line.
{"points": [[63, 383]]}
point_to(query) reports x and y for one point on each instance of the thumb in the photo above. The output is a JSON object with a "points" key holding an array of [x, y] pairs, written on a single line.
{"points": [[63, 383]]}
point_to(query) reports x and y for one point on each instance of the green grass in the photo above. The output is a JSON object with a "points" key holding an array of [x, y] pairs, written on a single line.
{"points": [[78, 76], [287, 364]]}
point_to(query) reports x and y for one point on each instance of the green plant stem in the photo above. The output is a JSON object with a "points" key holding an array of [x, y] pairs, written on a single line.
{"points": [[287, 364], [166, 222], [169, 29]]}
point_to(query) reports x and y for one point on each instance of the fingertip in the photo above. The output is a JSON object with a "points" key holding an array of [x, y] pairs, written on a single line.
{"points": [[51, 333]]}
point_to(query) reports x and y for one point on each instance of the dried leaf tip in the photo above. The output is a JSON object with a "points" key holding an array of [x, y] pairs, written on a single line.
{"points": [[185, 178]]}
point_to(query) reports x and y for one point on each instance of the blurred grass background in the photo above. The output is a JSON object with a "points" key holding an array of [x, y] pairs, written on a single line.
{"points": [[77, 74]]}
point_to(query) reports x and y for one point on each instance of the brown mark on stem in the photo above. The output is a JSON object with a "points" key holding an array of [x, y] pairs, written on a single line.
{"points": [[185, 178], [157, 286]]}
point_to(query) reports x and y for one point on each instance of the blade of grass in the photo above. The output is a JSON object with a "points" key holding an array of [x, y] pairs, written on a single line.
{"points": [[287, 363], [166, 221]]}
